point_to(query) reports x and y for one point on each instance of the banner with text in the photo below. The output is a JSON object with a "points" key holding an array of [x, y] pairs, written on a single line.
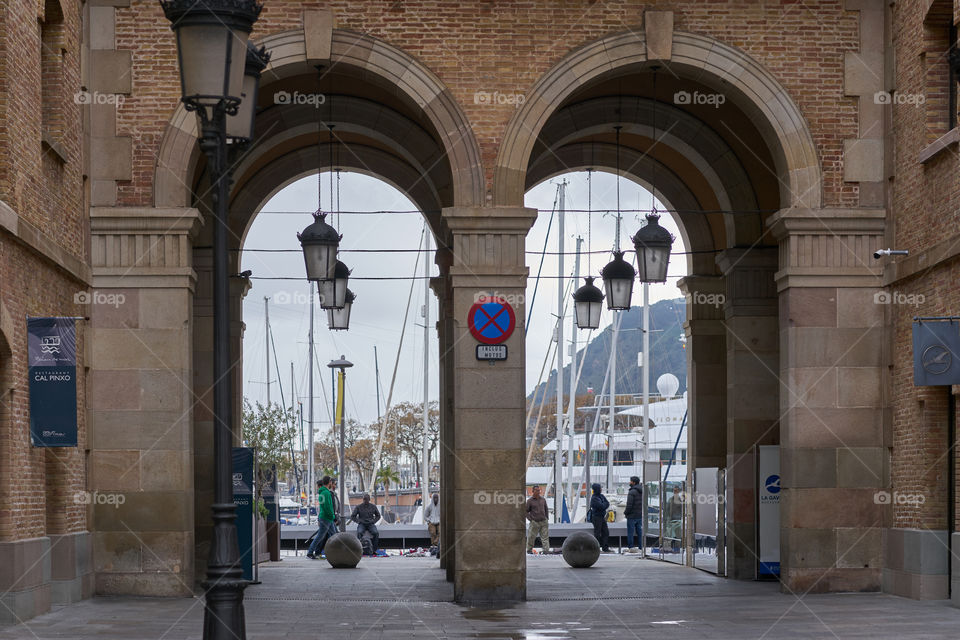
{"points": [[52, 367]]}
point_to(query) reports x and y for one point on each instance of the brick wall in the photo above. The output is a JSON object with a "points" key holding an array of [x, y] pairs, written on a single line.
{"points": [[925, 205], [507, 45], [41, 181]]}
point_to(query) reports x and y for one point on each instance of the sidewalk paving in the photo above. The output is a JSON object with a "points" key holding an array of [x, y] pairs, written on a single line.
{"points": [[397, 597]]}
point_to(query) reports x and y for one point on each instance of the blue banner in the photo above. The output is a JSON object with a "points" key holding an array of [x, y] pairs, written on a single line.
{"points": [[243, 459], [52, 367]]}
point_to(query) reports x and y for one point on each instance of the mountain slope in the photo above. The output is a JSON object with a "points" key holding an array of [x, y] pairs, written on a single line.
{"points": [[666, 349]]}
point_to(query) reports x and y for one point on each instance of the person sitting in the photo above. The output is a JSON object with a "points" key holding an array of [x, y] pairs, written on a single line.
{"points": [[366, 516]]}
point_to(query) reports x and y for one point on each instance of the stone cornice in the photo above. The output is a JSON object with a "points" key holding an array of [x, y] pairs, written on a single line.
{"points": [[826, 221], [43, 244], [489, 220]]}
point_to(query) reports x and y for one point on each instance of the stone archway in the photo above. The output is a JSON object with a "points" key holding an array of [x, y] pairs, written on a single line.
{"points": [[732, 170], [711, 63], [379, 62], [393, 119]]}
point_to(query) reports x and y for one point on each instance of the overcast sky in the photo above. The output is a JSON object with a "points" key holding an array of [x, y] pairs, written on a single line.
{"points": [[378, 314]]}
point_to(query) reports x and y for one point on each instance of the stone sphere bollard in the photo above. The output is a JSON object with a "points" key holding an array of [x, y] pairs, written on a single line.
{"points": [[343, 550], [581, 550]]}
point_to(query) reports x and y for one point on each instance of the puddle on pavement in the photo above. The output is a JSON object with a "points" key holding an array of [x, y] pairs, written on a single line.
{"points": [[500, 615]]}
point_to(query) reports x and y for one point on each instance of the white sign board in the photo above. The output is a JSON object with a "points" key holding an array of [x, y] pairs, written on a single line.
{"points": [[768, 510]]}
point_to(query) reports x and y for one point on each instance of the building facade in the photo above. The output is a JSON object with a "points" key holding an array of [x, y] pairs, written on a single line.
{"points": [[790, 141]]}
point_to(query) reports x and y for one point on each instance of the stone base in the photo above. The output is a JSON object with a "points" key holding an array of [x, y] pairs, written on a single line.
{"points": [[916, 563], [24, 579], [485, 587], [71, 575], [38, 572]]}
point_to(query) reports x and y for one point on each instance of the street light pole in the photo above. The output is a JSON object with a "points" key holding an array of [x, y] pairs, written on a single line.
{"points": [[341, 366], [220, 84]]}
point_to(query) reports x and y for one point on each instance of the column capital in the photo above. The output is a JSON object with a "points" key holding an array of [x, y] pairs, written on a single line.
{"points": [[828, 247], [705, 296], [749, 279], [488, 245], [142, 247]]}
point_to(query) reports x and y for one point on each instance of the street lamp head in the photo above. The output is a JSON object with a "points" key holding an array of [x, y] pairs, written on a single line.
{"points": [[342, 363], [618, 278], [653, 243], [211, 48], [240, 124], [333, 292], [587, 304], [320, 242], [339, 319]]}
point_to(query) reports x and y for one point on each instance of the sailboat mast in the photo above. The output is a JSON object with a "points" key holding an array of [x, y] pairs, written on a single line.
{"points": [[613, 398], [425, 453], [573, 384], [646, 372], [558, 460], [266, 328], [311, 484]]}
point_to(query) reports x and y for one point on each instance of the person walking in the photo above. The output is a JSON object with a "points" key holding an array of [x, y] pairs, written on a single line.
{"points": [[325, 518], [598, 516], [431, 515], [539, 524], [366, 516], [674, 519], [634, 514]]}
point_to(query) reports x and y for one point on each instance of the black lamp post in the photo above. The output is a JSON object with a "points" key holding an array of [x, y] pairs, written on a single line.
{"points": [[618, 278], [212, 41], [587, 304], [652, 243]]}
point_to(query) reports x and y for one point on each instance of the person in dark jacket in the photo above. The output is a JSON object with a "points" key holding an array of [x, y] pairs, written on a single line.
{"points": [[598, 516], [634, 514], [366, 515]]}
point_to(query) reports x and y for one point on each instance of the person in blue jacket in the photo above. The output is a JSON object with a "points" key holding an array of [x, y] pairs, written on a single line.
{"points": [[598, 516]]}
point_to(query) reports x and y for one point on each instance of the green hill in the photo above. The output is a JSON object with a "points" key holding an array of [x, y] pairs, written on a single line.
{"points": [[666, 349]]}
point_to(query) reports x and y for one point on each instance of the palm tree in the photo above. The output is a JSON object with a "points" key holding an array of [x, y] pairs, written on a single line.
{"points": [[386, 475]]}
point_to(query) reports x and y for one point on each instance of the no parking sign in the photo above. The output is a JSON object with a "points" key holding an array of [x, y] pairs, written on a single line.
{"points": [[491, 320]]}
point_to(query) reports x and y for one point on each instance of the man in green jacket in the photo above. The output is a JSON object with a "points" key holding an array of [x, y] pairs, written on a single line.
{"points": [[326, 519]]}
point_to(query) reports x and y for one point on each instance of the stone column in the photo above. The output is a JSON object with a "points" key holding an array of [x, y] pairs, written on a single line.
{"points": [[441, 287], [706, 352], [753, 392], [140, 400], [832, 453], [706, 371], [488, 408]]}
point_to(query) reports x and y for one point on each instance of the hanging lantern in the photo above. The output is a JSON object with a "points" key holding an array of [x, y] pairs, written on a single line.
{"points": [[240, 124], [587, 304], [339, 319], [320, 242], [618, 278], [653, 243], [333, 292]]}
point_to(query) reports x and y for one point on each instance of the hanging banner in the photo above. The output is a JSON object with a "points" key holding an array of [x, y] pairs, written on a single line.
{"points": [[52, 368], [936, 353], [768, 510], [243, 461]]}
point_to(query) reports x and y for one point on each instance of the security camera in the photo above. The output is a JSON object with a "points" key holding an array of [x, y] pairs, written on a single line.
{"points": [[890, 252]]}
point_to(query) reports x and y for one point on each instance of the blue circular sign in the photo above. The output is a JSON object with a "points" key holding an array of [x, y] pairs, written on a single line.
{"points": [[773, 484]]}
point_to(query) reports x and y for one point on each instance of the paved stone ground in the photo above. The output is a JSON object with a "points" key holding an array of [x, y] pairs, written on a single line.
{"points": [[620, 597]]}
